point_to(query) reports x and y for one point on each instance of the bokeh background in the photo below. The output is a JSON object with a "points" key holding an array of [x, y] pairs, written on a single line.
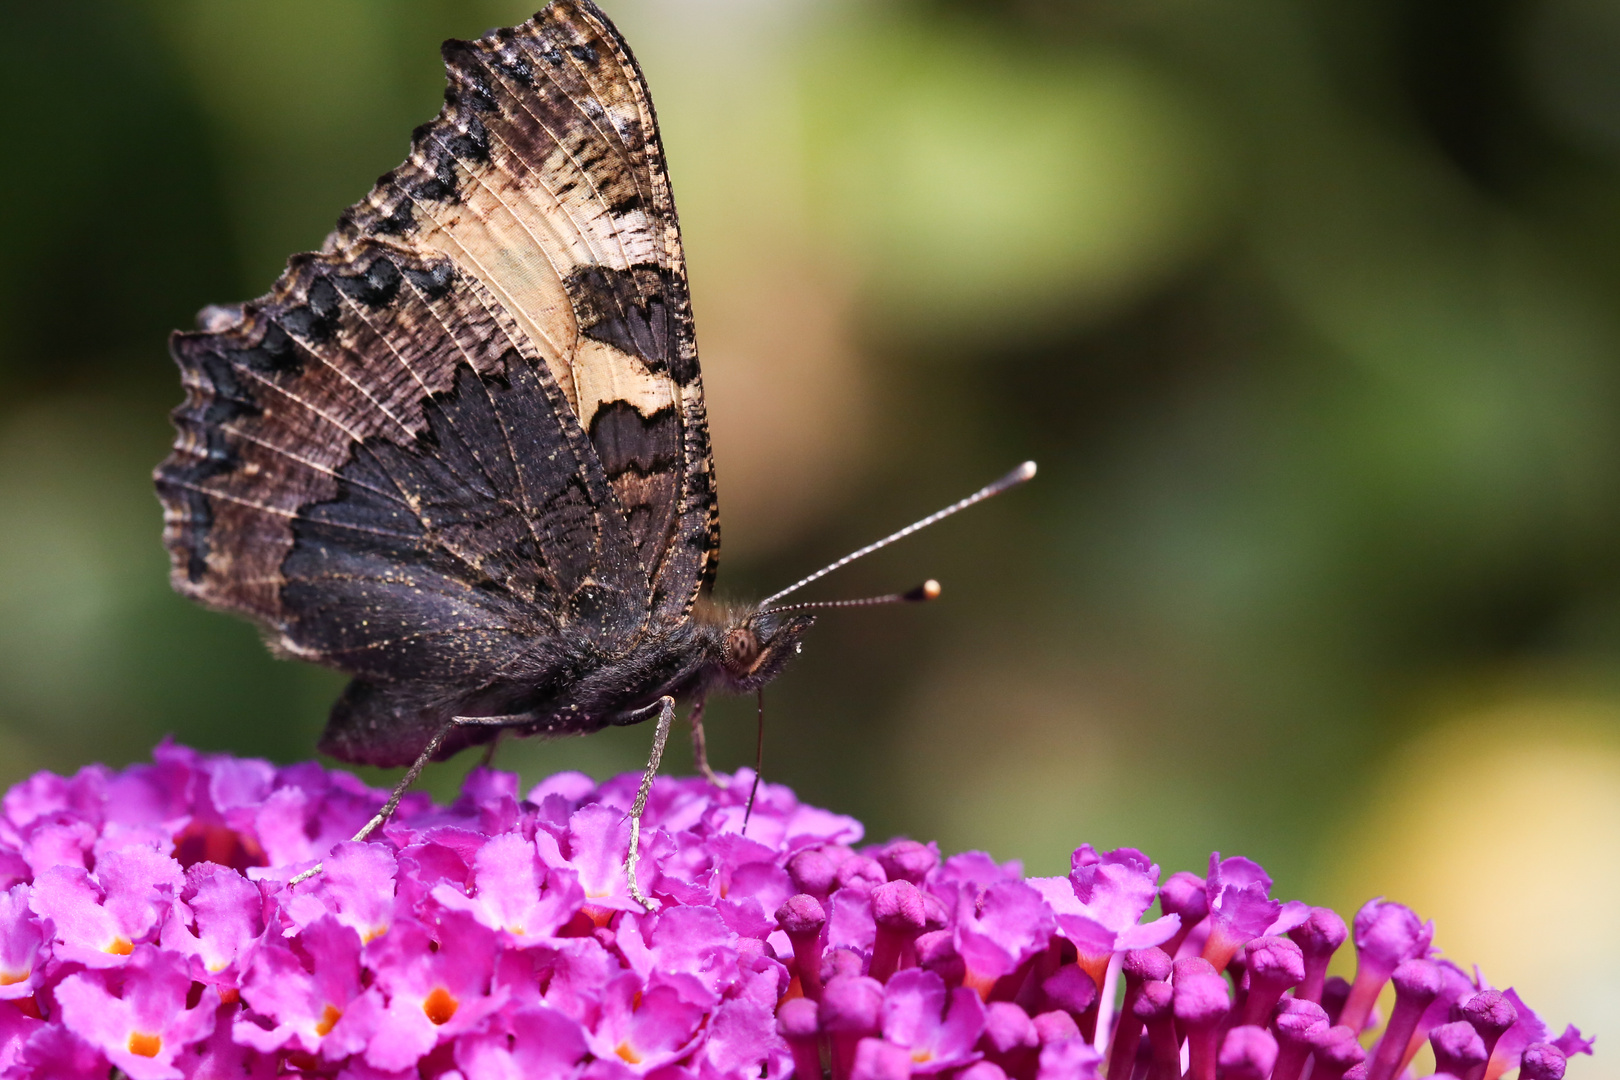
{"points": [[1310, 313]]}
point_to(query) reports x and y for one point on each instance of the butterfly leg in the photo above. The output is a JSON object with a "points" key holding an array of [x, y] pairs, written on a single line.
{"points": [[488, 758], [415, 771], [700, 748], [666, 716]]}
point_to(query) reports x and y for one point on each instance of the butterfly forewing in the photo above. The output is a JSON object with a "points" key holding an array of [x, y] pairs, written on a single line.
{"points": [[563, 211], [474, 420]]}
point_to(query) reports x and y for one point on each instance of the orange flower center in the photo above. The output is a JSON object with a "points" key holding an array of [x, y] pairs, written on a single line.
{"points": [[982, 984], [143, 1045], [120, 947], [332, 1014], [439, 1005], [9, 978], [630, 1056]]}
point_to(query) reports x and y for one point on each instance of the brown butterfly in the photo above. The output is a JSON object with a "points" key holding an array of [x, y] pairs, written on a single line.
{"points": [[460, 453]]}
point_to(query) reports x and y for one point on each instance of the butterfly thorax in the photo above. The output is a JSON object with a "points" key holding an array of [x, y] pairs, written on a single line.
{"points": [[714, 648]]}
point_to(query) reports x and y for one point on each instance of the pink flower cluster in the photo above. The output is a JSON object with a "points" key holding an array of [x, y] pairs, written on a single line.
{"points": [[147, 930]]}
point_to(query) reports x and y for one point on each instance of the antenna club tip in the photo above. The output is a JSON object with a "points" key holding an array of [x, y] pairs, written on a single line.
{"points": [[928, 590], [1026, 471]]}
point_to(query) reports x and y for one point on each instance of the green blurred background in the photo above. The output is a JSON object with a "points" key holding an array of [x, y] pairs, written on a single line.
{"points": [[1310, 313]]}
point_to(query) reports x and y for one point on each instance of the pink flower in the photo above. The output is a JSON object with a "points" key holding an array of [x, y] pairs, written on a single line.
{"points": [[1385, 935], [644, 1030], [217, 924], [296, 993], [514, 893], [356, 884], [99, 918], [1241, 909], [432, 994], [535, 1043], [593, 848], [1101, 908], [146, 926], [940, 1027], [20, 940], [140, 1021], [1000, 927]]}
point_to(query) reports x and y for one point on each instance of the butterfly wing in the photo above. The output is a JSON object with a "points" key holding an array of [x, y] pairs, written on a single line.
{"points": [[475, 417]]}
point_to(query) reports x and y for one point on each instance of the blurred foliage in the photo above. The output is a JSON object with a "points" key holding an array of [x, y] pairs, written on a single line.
{"points": [[1307, 310]]}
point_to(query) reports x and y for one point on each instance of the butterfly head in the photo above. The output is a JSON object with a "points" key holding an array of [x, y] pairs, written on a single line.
{"points": [[755, 648]]}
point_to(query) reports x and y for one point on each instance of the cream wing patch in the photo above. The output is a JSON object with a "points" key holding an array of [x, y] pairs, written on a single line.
{"points": [[604, 375], [521, 243]]}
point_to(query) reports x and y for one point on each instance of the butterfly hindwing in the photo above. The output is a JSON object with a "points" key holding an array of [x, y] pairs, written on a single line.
{"points": [[473, 424]]}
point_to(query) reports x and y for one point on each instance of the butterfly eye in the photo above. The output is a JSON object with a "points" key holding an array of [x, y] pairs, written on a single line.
{"points": [[741, 649]]}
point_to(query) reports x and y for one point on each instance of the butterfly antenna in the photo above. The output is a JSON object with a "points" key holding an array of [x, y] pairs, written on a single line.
{"points": [[1018, 476], [928, 590]]}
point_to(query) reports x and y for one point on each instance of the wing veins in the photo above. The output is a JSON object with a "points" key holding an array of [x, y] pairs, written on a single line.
{"points": [[409, 434], [511, 302], [360, 444], [584, 173], [291, 515], [307, 463], [422, 384], [506, 436], [259, 378], [616, 143]]}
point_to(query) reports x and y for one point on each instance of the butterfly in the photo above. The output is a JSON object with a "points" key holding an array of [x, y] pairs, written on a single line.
{"points": [[460, 453]]}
